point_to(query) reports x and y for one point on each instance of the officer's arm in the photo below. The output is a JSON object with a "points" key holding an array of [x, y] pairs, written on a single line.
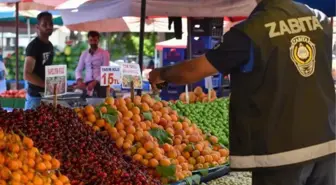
{"points": [[188, 72]]}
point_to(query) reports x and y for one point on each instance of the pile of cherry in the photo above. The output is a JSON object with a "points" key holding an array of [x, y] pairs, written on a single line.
{"points": [[87, 157]]}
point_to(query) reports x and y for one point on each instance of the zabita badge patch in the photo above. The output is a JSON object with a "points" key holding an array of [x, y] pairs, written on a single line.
{"points": [[303, 53]]}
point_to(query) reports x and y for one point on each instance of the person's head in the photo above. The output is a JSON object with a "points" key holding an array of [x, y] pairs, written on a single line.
{"points": [[93, 38], [45, 24]]}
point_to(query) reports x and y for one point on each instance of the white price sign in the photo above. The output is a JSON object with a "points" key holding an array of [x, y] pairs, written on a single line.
{"points": [[56, 77], [110, 75]]}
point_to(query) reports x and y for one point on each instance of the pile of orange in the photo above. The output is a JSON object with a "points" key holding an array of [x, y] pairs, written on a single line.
{"points": [[22, 164], [91, 117], [189, 148], [198, 96]]}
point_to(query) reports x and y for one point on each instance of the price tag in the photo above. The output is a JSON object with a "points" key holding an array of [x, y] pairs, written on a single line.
{"points": [[109, 75]]}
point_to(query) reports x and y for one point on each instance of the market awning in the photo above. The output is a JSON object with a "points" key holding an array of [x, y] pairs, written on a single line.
{"points": [[106, 9], [44, 4], [127, 24]]}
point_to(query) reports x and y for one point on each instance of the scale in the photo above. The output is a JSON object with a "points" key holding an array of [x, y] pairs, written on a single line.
{"points": [[73, 99]]}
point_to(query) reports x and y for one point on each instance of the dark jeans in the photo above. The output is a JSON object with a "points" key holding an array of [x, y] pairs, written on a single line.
{"points": [[321, 172]]}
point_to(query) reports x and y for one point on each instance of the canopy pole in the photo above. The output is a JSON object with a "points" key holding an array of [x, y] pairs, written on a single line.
{"points": [[17, 44], [28, 29], [142, 37]]}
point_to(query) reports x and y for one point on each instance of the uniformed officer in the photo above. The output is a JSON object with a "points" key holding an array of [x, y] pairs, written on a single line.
{"points": [[282, 111]]}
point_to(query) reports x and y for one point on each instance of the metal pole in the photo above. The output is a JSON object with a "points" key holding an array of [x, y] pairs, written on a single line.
{"points": [[142, 36], [28, 29], [17, 44]]}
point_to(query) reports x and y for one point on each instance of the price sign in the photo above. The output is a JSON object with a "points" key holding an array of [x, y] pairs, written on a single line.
{"points": [[55, 80], [109, 75]]}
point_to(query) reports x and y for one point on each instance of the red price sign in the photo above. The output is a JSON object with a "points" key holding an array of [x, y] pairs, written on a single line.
{"points": [[110, 75]]}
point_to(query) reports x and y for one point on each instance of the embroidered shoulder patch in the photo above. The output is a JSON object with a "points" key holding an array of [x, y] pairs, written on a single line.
{"points": [[303, 53]]}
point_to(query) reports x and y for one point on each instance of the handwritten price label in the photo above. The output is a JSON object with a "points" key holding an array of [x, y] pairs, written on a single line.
{"points": [[110, 75]]}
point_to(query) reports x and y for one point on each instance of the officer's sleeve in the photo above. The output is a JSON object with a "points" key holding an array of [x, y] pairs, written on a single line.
{"points": [[232, 53]]}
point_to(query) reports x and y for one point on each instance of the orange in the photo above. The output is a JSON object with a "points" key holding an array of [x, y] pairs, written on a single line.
{"points": [[122, 133], [185, 166], [192, 161], [109, 100], [127, 145], [149, 146], [181, 159], [100, 123], [120, 126], [138, 135], [167, 147], [130, 137], [37, 180], [172, 154], [103, 109], [5, 173], [123, 109], [31, 163], [174, 117], [41, 167], [141, 151], [89, 109], [13, 165], [48, 165], [186, 154], [115, 135], [120, 142], [213, 139], [145, 107], [153, 163], [63, 178], [58, 182], [200, 159], [16, 177], [137, 157], [127, 115], [135, 110], [199, 147], [130, 129], [199, 166], [28, 142], [208, 158], [91, 118], [136, 118], [55, 163], [165, 162], [15, 148], [196, 153], [166, 117], [224, 152]]}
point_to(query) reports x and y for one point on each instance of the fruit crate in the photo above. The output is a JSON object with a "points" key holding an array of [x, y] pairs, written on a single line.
{"points": [[213, 173], [12, 102]]}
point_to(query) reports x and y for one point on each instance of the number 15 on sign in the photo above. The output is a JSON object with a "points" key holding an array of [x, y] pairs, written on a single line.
{"points": [[109, 75]]}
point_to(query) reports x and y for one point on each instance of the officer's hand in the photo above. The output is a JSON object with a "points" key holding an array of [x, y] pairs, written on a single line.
{"points": [[155, 78]]}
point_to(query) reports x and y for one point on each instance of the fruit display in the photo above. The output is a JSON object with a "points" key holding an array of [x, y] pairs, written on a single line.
{"points": [[10, 63], [234, 178], [154, 135], [198, 96], [13, 94], [23, 164], [87, 157], [211, 117], [69, 56]]}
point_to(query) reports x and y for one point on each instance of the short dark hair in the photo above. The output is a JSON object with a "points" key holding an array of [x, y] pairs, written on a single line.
{"points": [[93, 34], [43, 14]]}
